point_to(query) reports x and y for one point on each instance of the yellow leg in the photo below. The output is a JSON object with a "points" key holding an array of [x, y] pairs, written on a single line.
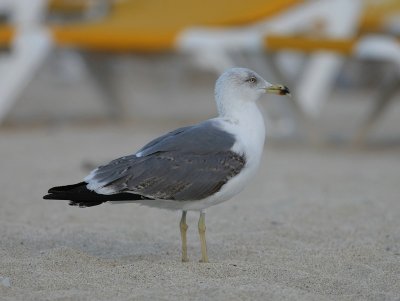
{"points": [[202, 233], [184, 227]]}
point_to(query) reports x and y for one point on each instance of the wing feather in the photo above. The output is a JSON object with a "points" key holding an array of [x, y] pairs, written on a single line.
{"points": [[190, 163]]}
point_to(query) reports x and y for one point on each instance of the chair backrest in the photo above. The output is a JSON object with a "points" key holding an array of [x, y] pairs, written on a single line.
{"points": [[24, 15], [183, 13], [151, 25], [377, 13], [68, 6]]}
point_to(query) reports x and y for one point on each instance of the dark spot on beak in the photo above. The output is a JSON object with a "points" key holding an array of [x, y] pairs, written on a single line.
{"points": [[284, 91]]}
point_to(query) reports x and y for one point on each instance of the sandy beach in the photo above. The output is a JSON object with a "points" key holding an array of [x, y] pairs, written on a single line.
{"points": [[316, 224], [87, 82]]}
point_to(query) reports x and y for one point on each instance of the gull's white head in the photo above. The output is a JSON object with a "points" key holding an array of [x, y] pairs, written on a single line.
{"points": [[238, 86]]}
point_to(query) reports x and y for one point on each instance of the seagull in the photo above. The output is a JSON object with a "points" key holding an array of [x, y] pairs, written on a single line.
{"points": [[190, 168]]}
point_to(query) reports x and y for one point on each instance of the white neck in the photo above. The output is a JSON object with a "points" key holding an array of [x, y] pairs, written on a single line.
{"points": [[230, 106], [238, 109], [248, 123]]}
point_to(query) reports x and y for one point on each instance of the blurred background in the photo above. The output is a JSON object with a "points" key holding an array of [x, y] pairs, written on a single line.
{"points": [[85, 81], [67, 62]]}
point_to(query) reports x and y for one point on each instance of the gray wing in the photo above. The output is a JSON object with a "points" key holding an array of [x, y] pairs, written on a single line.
{"points": [[203, 137], [190, 163]]}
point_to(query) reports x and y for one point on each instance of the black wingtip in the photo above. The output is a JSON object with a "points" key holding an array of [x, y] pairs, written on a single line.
{"points": [[66, 187], [79, 195], [47, 197]]}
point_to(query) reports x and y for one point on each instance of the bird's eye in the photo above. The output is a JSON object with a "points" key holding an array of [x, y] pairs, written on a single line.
{"points": [[252, 80]]}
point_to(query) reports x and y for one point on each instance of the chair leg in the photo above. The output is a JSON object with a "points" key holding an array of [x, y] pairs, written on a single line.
{"points": [[303, 120], [389, 88], [17, 68], [99, 67]]}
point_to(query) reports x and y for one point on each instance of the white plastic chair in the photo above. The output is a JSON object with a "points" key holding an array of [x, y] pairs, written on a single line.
{"points": [[29, 48], [211, 47]]}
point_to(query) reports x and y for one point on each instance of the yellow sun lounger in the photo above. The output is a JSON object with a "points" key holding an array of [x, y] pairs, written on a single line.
{"points": [[129, 26], [150, 25], [68, 6], [349, 47], [6, 35], [377, 17], [7, 31]]}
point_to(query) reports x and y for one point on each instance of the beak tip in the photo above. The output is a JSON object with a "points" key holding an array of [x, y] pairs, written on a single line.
{"points": [[285, 91], [278, 89]]}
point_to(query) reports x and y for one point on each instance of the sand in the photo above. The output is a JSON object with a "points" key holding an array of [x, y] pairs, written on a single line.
{"points": [[316, 224]]}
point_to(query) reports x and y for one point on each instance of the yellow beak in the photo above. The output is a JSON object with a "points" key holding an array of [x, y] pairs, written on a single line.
{"points": [[278, 89]]}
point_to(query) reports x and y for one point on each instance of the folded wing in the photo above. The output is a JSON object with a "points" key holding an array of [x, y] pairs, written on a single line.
{"points": [[190, 163]]}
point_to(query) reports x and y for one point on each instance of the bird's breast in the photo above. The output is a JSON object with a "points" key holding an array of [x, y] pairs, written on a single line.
{"points": [[249, 130]]}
